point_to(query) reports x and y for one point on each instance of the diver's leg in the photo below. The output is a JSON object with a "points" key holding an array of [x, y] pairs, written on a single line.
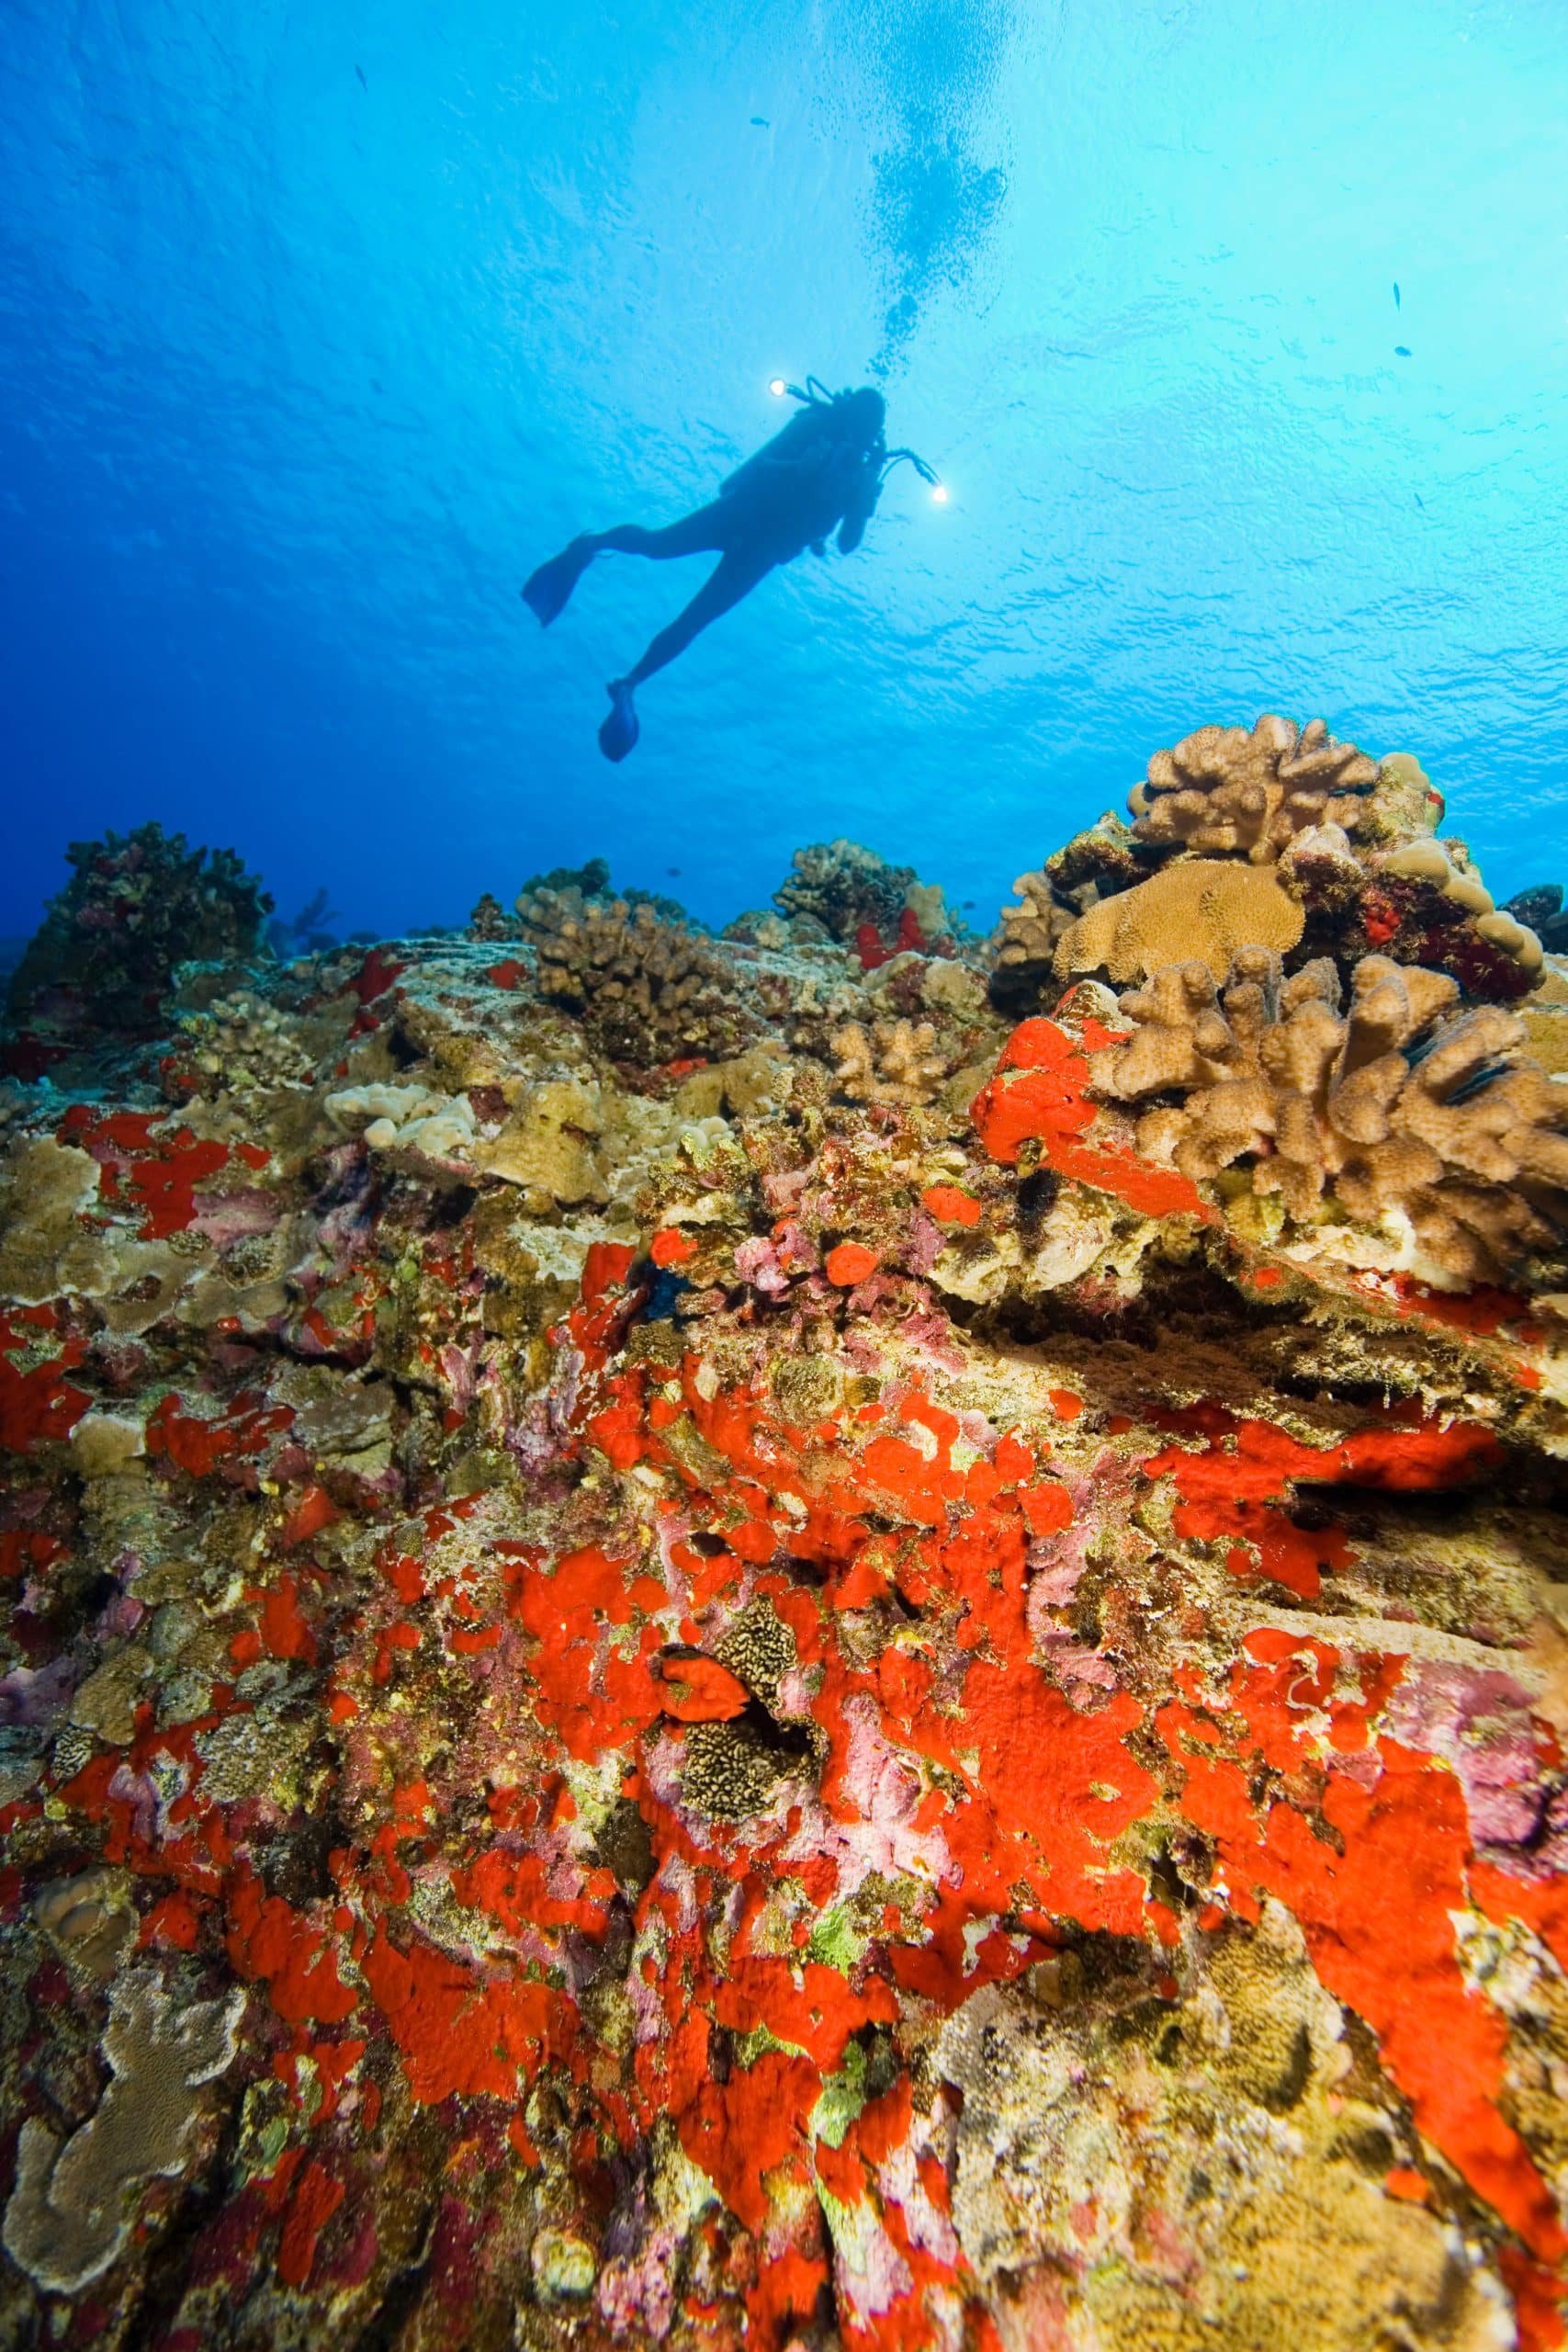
{"points": [[547, 591], [696, 534], [735, 577]]}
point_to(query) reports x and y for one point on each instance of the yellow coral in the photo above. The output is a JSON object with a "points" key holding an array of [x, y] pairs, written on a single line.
{"points": [[1546, 1019], [1205, 908], [546, 1145]]}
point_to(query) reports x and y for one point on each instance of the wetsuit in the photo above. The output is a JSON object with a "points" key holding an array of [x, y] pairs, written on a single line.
{"points": [[821, 474]]}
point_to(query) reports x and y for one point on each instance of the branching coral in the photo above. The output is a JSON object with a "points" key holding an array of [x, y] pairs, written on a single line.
{"points": [[646, 991], [1224, 790], [1203, 907], [137, 904], [891, 1061], [1353, 840], [1403, 1112], [573, 889]]}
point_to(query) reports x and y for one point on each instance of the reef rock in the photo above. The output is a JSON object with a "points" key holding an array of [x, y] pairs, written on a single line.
{"points": [[138, 905], [703, 1649]]}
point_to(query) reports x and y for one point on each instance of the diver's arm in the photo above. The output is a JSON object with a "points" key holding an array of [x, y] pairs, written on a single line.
{"points": [[861, 508]]}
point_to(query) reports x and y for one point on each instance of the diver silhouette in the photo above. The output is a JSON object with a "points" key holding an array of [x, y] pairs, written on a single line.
{"points": [[823, 473]]}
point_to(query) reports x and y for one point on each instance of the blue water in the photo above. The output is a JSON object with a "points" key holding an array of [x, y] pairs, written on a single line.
{"points": [[321, 325]]}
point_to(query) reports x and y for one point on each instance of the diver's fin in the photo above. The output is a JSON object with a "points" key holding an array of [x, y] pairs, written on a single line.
{"points": [[619, 733], [546, 591]]}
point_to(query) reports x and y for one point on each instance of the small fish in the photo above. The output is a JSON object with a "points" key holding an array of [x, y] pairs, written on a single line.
{"points": [[1396, 293], [363, 83], [761, 122], [1477, 1083], [672, 870], [1419, 501], [1402, 351], [1426, 1041]]}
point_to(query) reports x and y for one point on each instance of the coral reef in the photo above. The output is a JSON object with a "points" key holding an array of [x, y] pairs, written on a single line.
{"points": [[1339, 858], [703, 1649], [137, 906], [841, 888]]}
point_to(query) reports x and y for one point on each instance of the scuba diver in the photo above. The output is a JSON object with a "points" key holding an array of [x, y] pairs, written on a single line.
{"points": [[823, 473]]}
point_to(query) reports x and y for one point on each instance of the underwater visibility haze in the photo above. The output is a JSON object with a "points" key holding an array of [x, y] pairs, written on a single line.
{"points": [[742, 1610], [1238, 331]]}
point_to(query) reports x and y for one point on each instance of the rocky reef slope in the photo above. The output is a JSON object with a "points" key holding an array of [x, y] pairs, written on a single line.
{"points": [[798, 1640]]}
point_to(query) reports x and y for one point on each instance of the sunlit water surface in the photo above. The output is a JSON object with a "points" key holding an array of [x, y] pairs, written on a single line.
{"points": [[1238, 328]]}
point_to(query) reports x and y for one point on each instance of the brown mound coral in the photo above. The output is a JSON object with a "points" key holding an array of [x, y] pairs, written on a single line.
{"points": [[243, 1043], [1225, 790], [1404, 1114], [489, 920], [1106, 856], [1200, 906], [646, 991]]}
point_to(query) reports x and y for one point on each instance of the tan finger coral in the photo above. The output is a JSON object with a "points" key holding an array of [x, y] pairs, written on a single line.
{"points": [[1031, 935], [1225, 790], [646, 991], [1404, 1112], [1200, 907], [891, 1061]]}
